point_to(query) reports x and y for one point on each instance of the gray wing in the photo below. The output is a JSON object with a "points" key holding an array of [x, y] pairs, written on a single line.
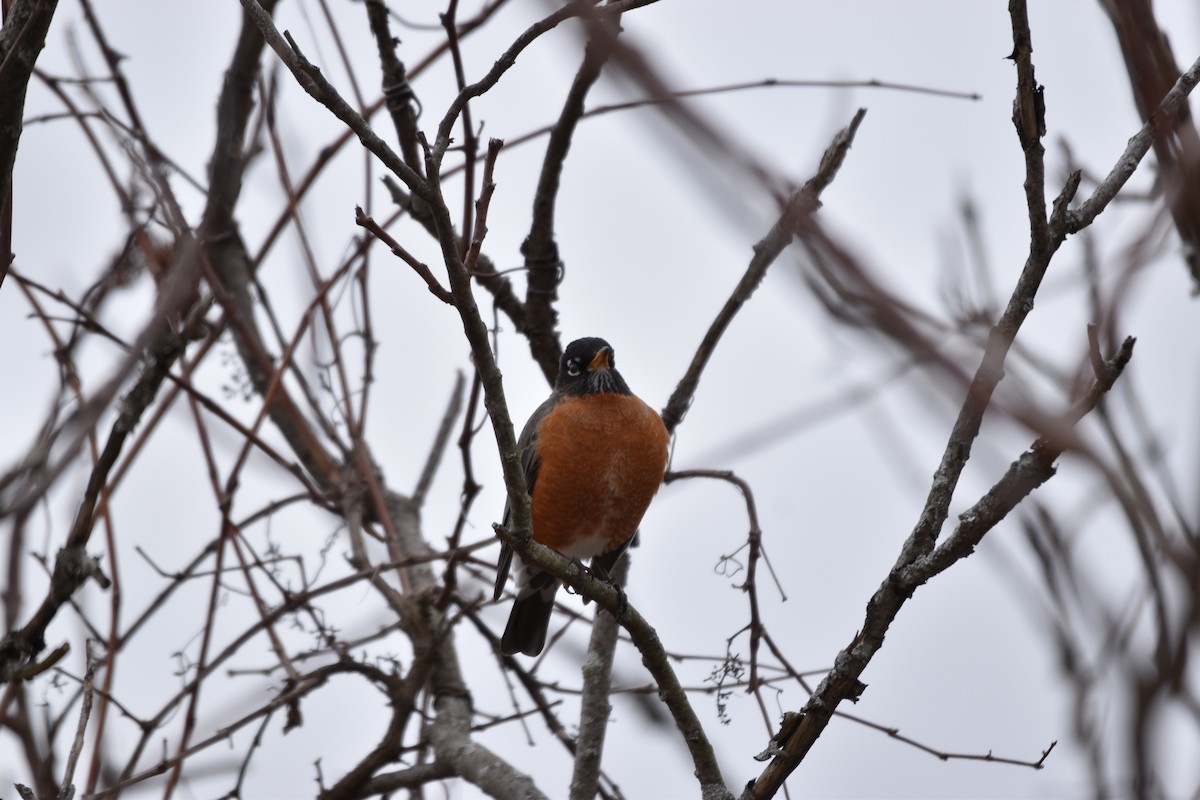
{"points": [[527, 447]]}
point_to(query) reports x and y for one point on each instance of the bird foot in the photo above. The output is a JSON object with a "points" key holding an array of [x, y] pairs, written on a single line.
{"points": [[600, 573]]}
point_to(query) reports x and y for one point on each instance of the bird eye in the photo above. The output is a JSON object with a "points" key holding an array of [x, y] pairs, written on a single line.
{"points": [[573, 367]]}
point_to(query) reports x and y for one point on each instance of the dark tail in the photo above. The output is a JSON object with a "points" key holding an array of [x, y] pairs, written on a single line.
{"points": [[527, 624]]}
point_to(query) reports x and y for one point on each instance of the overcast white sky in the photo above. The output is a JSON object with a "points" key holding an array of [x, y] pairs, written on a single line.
{"points": [[651, 252]]}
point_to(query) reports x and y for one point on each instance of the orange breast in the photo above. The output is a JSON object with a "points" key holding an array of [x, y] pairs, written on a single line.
{"points": [[602, 459]]}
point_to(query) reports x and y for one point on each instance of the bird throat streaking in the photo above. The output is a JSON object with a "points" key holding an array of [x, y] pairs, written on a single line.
{"points": [[594, 455]]}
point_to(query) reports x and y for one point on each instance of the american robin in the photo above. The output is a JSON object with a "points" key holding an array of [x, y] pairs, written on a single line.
{"points": [[594, 455]]}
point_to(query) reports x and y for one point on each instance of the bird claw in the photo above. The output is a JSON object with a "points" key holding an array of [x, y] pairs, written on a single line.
{"points": [[599, 573], [622, 601]]}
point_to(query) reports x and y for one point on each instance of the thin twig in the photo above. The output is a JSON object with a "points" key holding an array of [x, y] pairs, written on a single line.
{"points": [[502, 64], [1135, 151], [440, 440], [483, 204], [67, 789], [470, 138], [894, 733], [418, 266], [803, 202]]}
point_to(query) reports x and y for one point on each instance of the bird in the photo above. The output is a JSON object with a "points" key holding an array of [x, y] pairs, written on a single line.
{"points": [[594, 455]]}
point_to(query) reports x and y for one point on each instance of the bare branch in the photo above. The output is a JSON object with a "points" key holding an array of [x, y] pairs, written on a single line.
{"points": [[504, 63], [67, 790], [803, 202], [26, 23], [312, 81], [645, 638], [1152, 71], [419, 267], [543, 266], [594, 706], [1027, 473], [1135, 151]]}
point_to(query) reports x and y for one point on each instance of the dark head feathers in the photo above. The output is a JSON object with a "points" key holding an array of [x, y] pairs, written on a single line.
{"points": [[589, 366]]}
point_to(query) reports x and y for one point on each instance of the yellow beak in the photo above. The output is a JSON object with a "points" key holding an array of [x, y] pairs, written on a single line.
{"points": [[600, 360]]}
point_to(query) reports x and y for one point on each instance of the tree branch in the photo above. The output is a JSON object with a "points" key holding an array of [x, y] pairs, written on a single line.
{"points": [[799, 206], [1171, 105], [320, 89], [645, 638], [544, 268], [594, 706], [1033, 468], [1152, 70], [21, 41]]}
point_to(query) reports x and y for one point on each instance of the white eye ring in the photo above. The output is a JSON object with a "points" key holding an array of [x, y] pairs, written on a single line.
{"points": [[572, 368]]}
